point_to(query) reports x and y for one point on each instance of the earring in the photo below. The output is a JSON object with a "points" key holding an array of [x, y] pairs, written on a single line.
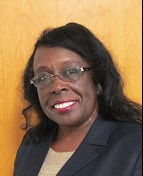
{"points": [[99, 89]]}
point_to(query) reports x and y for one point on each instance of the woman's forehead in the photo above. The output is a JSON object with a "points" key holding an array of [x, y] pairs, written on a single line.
{"points": [[56, 56]]}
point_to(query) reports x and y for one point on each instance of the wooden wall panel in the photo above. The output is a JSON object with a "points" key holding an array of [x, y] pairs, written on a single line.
{"points": [[116, 22]]}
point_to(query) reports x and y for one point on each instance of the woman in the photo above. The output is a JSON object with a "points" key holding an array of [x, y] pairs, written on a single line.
{"points": [[87, 126]]}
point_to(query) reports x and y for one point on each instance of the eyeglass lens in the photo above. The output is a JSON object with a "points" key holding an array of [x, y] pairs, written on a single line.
{"points": [[67, 74]]}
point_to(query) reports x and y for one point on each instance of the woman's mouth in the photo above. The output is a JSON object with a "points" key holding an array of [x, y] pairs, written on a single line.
{"points": [[64, 107]]}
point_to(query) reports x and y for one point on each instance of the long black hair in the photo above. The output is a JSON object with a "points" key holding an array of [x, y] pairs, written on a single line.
{"points": [[113, 104]]}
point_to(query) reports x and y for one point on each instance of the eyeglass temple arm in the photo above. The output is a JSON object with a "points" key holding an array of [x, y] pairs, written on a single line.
{"points": [[86, 68]]}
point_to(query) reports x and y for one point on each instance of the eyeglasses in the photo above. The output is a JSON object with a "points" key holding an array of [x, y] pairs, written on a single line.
{"points": [[68, 74]]}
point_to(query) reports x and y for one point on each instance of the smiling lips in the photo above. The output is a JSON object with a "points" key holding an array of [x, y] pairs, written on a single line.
{"points": [[64, 106]]}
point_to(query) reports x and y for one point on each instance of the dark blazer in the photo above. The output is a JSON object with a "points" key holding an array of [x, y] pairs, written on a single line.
{"points": [[109, 149]]}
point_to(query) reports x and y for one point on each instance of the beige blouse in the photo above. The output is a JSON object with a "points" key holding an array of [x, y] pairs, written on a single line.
{"points": [[53, 162]]}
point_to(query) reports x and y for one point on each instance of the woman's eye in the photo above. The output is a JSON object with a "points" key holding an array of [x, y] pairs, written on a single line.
{"points": [[43, 78], [71, 71]]}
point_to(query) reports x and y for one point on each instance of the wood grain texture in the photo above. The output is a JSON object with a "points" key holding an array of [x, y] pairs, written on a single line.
{"points": [[116, 22]]}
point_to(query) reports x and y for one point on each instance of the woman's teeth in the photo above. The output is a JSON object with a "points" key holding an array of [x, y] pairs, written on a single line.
{"points": [[63, 105]]}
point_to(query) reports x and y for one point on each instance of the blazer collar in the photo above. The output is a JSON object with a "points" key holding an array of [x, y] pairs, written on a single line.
{"points": [[89, 149], [100, 131]]}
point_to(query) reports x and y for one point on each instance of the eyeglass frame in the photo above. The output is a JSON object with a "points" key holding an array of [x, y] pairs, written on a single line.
{"points": [[82, 69]]}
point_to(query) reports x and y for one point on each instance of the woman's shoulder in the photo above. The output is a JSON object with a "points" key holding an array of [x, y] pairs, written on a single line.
{"points": [[129, 133], [26, 141], [133, 128], [121, 129]]}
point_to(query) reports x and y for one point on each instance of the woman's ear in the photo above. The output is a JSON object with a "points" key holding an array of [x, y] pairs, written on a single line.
{"points": [[99, 89]]}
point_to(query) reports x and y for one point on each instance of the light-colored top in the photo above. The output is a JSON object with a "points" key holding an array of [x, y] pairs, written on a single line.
{"points": [[53, 162]]}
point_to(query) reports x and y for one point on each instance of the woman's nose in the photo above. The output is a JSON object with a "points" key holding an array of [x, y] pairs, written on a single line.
{"points": [[59, 85]]}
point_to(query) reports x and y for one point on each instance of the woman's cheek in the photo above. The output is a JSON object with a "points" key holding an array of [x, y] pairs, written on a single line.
{"points": [[42, 97]]}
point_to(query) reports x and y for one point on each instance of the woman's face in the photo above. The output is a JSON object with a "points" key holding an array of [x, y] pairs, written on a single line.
{"points": [[69, 104]]}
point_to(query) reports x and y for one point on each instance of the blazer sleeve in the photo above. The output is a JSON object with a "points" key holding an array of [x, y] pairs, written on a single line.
{"points": [[137, 171]]}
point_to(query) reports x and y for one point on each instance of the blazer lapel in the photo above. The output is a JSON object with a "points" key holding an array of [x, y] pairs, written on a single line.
{"points": [[89, 149]]}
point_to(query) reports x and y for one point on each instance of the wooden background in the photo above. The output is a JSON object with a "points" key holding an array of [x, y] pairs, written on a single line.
{"points": [[116, 22]]}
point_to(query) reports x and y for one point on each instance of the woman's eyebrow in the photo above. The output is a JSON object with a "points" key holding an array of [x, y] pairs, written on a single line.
{"points": [[44, 68], [41, 69], [71, 62]]}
